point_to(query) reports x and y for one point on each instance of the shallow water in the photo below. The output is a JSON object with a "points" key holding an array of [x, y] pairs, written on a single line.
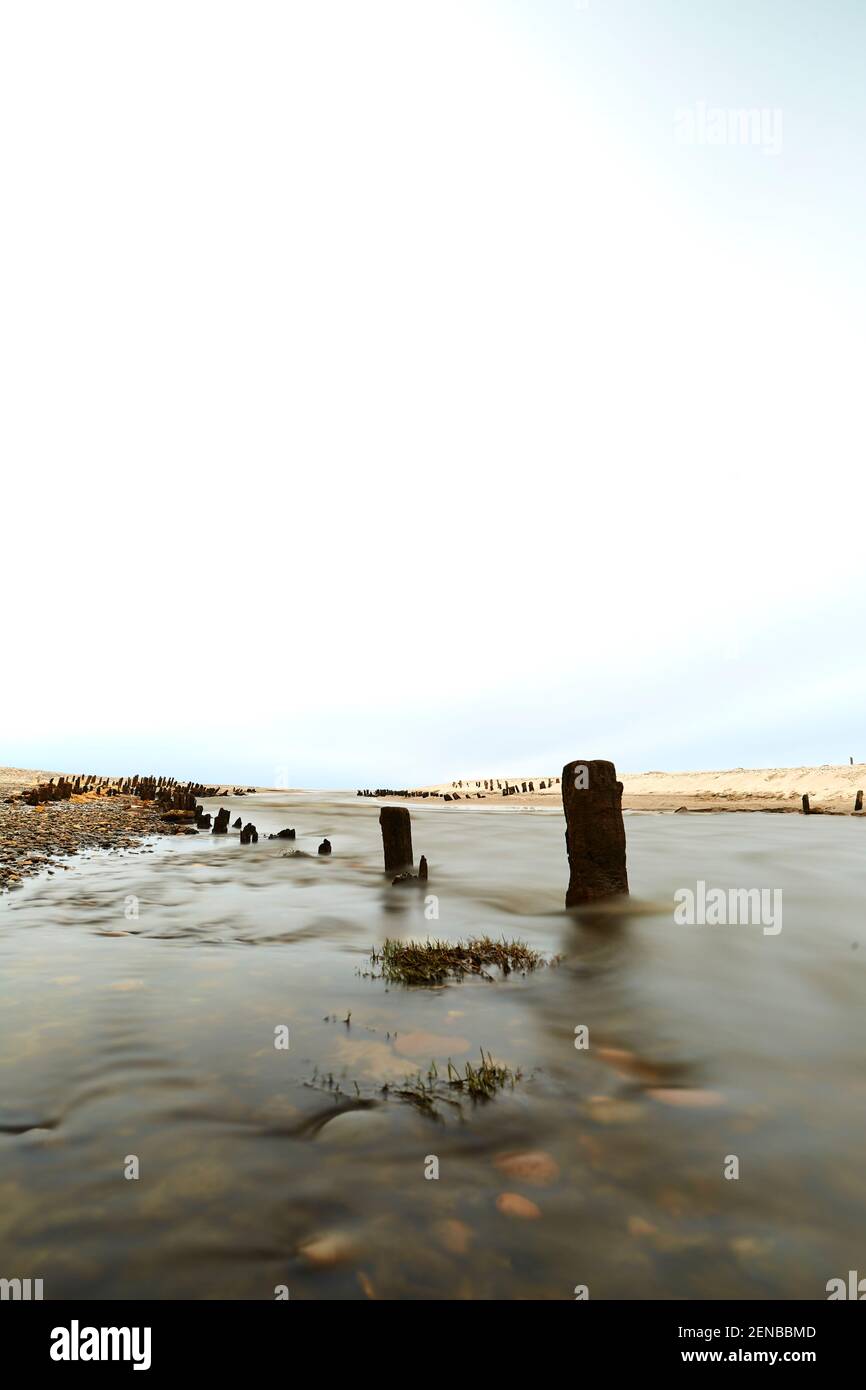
{"points": [[154, 1036]]}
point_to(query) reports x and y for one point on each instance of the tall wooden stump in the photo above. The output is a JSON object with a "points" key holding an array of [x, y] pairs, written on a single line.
{"points": [[594, 831], [396, 838]]}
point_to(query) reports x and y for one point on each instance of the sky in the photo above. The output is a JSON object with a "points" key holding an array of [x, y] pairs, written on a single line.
{"points": [[396, 391]]}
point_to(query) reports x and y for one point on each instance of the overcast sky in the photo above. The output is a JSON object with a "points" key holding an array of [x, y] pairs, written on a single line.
{"points": [[397, 391]]}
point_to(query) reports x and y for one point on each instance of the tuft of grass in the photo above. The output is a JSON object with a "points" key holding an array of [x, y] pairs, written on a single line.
{"points": [[432, 962], [477, 1083]]}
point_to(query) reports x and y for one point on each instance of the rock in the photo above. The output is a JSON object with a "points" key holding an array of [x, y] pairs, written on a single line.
{"points": [[237, 824], [355, 1127], [249, 835], [512, 1204], [283, 835], [325, 1251], [686, 1097], [534, 1166], [595, 834]]}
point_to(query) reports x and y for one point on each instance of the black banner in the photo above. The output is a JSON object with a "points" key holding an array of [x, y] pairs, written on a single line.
{"points": [[155, 1339]]}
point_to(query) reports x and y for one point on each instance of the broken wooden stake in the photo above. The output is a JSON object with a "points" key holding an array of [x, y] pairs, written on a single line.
{"points": [[396, 838], [594, 831]]}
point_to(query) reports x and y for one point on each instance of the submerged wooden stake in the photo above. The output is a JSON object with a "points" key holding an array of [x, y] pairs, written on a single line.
{"points": [[594, 831], [396, 838]]}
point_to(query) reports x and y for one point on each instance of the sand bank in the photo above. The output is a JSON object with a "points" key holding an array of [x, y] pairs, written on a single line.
{"points": [[831, 788]]}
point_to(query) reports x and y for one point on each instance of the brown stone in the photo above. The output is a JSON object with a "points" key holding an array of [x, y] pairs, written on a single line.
{"points": [[594, 831]]}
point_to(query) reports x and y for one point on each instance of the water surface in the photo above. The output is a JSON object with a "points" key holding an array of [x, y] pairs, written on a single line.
{"points": [[153, 1036]]}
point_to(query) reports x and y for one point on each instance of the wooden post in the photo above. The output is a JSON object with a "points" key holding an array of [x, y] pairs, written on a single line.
{"points": [[807, 810], [396, 838], [594, 831]]}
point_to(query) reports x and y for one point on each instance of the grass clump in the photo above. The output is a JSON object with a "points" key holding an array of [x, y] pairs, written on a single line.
{"points": [[477, 1083], [433, 962]]}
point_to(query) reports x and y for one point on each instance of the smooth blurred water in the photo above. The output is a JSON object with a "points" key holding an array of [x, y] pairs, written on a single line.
{"points": [[154, 1036]]}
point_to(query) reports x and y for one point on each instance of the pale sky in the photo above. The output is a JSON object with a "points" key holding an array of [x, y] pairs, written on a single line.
{"points": [[391, 393]]}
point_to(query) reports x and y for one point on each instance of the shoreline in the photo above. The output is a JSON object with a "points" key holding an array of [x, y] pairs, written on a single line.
{"points": [[38, 837], [831, 788], [41, 836]]}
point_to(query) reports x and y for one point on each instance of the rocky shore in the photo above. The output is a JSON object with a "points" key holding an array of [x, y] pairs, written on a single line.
{"points": [[44, 817], [34, 837]]}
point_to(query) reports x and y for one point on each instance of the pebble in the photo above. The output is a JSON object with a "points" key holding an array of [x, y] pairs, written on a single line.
{"points": [[535, 1167], [325, 1251], [689, 1099], [512, 1204]]}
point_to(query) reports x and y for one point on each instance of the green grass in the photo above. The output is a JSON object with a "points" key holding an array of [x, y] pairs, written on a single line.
{"points": [[433, 962], [476, 1083]]}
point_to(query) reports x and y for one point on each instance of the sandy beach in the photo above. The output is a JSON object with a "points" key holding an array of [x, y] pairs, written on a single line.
{"points": [[831, 788]]}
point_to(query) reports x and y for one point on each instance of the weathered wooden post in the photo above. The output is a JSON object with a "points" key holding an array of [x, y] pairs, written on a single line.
{"points": [[594, 831], [396, 838], [807, 810], [858, 804]]}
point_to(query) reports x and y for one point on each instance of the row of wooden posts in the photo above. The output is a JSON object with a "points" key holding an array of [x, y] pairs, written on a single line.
{"points": [[594, 834], [809, 810]]}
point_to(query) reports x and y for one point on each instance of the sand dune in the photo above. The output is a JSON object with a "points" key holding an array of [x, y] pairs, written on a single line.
{"points": [[832, 787]]}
